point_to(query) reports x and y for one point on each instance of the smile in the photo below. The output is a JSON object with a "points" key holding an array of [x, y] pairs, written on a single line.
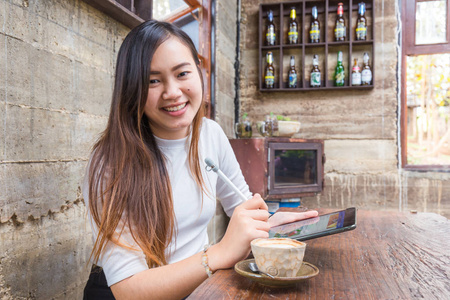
{"points": [[175, 108]]}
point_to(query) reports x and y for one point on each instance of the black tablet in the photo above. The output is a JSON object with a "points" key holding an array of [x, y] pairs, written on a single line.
{"points": [[335, 222]]}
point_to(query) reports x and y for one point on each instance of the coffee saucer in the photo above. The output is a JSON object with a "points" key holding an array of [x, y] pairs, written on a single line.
{"points": [[306, 271]]}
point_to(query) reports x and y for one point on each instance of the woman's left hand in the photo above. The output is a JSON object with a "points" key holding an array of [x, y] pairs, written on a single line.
{"points": [[284, 217]]}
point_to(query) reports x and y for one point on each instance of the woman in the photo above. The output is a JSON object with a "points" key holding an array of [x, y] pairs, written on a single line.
{"points": [[150, 198]]}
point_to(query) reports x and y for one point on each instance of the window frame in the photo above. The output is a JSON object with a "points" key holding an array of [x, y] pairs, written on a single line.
{"points": [[410, 49]]}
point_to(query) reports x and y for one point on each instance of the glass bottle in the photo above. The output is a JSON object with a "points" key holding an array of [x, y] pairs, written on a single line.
{"points": [[340, 29], [269, 74], [270, 30], [244, 128], [366, 73], [292, 74], [361, 23], [314, 32], [293, 27], [315, 73], [339, 74], [271, 125], [356, 73]]}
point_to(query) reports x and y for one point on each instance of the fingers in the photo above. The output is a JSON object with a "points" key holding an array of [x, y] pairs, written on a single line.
{"points": [[292, 216], [280, 218], [256, 203], [258, 214], [310, 214], [262, 226]]}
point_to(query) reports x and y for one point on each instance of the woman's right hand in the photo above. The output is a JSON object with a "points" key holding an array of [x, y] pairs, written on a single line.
{"points": [[248, 222]]}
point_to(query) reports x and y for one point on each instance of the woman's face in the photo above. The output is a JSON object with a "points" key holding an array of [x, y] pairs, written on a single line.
{"points": [[175, 90]]}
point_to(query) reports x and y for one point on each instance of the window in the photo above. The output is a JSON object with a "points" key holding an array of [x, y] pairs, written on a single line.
{"points": [[425, 123], [193, 16]]}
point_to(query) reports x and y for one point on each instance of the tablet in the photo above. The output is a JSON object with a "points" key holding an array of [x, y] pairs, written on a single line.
{"points": [[332, 223]]}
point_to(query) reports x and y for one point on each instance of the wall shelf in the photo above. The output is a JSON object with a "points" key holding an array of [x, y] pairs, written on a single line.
{"points": [[327, 48]]}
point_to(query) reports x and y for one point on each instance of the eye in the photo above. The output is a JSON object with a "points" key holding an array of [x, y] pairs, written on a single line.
{"points": [[153, 81], [182, 74]]}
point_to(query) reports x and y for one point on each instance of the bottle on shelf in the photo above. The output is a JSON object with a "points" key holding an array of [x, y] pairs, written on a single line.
{"points": [[340, 29], [292, 74], [314, 31], [339, 75], [271, 37], [269, 74], [293, 27], [315, 73], [366, 73], [361, 23], [356, 73]]}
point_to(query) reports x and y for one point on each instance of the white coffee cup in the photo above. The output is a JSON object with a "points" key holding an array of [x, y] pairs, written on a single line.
{"points": [[279, 257]]}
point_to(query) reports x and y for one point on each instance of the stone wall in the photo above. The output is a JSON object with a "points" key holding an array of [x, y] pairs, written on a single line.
{"points": [[360, 128], [56, 68]]}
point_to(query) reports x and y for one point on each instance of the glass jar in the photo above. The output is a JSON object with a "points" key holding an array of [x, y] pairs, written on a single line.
{"points": [[244, 128]]}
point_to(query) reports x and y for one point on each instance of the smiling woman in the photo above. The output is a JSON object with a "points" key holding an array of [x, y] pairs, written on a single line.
{"points": [[150, 199]]}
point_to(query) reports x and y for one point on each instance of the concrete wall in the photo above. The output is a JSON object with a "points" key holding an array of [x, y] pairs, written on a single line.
{"points": [[56, 66], [225, 56], [360, 128]]}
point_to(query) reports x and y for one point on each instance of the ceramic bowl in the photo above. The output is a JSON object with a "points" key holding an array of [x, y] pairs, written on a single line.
{"points": [[288, 128]]}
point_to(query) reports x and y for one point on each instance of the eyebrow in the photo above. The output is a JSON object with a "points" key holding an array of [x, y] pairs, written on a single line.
{"points": [[174, 68]]}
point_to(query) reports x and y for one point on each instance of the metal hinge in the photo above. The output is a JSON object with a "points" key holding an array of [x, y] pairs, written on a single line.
{"points": [[268, 154], [268, 183]]}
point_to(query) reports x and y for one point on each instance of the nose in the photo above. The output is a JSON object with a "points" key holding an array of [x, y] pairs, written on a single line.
{"points": [[171, 91]]}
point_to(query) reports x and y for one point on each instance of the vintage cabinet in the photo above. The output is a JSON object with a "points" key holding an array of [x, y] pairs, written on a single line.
{"points": [[280, 168]]}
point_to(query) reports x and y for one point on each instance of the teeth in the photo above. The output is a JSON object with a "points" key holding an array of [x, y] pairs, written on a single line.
{"points": [[175, 108]]}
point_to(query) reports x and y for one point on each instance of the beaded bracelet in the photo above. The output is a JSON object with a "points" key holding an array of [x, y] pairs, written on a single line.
{"points": [[205, 261]]}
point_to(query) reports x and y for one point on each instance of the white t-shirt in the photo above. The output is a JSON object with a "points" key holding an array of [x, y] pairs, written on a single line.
{"points": [[192, 216]]}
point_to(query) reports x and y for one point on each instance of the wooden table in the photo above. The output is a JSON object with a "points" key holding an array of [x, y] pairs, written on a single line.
{"points": [[390, 255]]}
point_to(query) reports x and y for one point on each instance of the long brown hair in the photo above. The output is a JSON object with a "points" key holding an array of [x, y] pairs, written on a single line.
{"points": [[129, 186]]}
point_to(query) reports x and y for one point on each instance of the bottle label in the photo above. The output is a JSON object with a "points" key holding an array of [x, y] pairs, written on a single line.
{"points": [[270, 36], [293, 35], [366, 76], [269, 79], [356, 78], [339, 31], [292, 80], [314, 33], [315, 78], [361, 31], [340, 76]]}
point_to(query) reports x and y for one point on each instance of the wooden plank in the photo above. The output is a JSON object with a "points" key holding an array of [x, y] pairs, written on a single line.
{"points": [[116, 11]]}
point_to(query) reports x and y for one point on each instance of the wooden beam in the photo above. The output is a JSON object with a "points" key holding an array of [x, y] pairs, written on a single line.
{"points": [[178, 14], [193, 3], [116, 11]]}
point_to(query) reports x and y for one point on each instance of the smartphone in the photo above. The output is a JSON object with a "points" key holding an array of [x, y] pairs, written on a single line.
{"points": [[332, 223]]}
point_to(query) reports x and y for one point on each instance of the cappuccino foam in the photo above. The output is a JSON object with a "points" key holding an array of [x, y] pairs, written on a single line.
{"points": [[278, 245]]}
